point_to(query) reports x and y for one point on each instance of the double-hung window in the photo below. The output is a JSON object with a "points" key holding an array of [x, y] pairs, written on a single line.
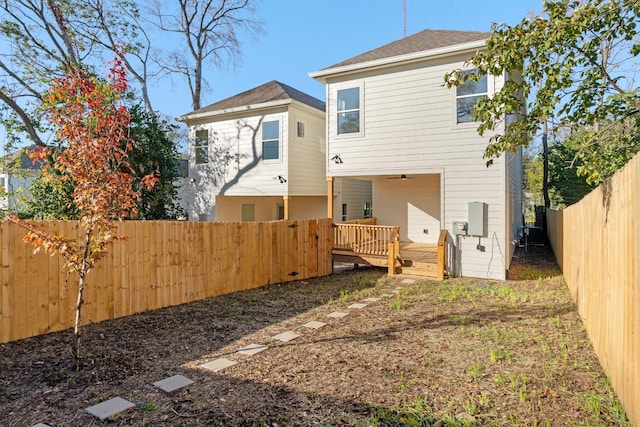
{"points": [[467, 96], [271, 140], [348, 110], [202, 146]]}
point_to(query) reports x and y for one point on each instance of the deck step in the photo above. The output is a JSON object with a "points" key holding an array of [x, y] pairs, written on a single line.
{"points": [[425, 269]]}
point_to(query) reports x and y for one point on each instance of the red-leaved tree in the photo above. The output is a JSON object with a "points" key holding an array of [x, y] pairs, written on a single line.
{"points": [[91, 120]]}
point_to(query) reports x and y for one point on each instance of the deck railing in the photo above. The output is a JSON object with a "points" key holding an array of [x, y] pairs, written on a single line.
{"points": [[442, 254], [367, 221], [364, 239]]}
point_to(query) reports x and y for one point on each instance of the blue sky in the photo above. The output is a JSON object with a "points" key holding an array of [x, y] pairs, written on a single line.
{"points": [[302, 36]]}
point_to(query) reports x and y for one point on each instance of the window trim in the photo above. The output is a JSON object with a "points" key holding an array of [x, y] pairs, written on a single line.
{"points": [[454, 108], [262, 141], [335, 112], [201, 147], [299, 122]]}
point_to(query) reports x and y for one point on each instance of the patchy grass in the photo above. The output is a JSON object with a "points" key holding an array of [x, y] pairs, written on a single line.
{"points": [[456, 353]]}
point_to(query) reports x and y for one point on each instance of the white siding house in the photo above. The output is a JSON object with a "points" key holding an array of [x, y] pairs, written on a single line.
{"points": [[258, 156], [17, 172], [391, 120]]}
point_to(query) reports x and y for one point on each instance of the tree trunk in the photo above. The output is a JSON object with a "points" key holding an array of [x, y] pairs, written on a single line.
{"points": [[545, 167], [75, 350]]}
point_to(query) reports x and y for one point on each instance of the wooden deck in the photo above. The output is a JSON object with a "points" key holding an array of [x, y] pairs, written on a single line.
{"points": [[378, 245]]}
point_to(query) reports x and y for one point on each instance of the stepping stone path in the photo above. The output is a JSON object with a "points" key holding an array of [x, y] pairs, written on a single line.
{"points": [[314, 325], [252, 349], [171, 384], [116, 405], [110, 407], [357, 305], [218, 364], [337, 314], [286, 336]]}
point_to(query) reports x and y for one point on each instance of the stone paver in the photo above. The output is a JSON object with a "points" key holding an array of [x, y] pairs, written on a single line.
{"points": [[387, 295], [286, 336], [173, 383], [337, 314], [218, 364], [408, 281], [41, 425], [372, 299], [314, 324], [110, 407], [357, 305], [252, 349]]}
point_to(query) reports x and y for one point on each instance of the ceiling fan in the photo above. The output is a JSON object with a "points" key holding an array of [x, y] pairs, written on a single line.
{"points": [[402, 177]]}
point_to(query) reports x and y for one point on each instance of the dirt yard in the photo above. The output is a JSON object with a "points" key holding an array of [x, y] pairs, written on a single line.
{"points": [[456, 353]]}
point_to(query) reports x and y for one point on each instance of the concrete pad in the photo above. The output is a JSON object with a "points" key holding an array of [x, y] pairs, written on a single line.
{"points": [[357, 305], [372, 299], [110, 407], [314, 325], [286, 336], [408, 281], [252, 349], [337, 314], [173, 383], [218, 364]]}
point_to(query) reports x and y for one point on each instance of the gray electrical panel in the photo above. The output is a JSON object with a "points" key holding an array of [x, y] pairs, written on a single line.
{"points": [[477, 219]]}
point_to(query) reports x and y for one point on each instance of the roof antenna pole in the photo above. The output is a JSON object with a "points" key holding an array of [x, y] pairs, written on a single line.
{"points": [[404, 17]]}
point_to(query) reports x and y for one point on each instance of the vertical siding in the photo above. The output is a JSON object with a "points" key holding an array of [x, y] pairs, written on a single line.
{"points": [[229, 208], [409, 128], [308, 207]]}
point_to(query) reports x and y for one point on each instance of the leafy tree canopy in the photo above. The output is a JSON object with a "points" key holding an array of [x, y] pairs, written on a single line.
{"points": [[570, 67]]}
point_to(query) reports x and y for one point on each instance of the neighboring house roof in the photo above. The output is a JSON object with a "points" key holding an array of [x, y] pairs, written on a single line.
{"points": [[264, 95], [426, 40], [20, 160]]}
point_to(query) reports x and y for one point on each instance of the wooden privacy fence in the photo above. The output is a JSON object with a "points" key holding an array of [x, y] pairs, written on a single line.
{"points": [[163, 263], [597, 245]]}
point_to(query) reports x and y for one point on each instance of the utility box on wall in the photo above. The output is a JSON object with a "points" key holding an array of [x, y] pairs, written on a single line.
{"points": [[477, 219]]}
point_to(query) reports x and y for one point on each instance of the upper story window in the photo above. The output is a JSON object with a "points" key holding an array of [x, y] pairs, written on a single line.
{"points": [[202, 146], [467, 95], [348, 110], [271, 140], [300, 130]]}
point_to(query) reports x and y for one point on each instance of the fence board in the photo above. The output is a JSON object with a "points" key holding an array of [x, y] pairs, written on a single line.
{"points": [[596, 243], [163, 263]]}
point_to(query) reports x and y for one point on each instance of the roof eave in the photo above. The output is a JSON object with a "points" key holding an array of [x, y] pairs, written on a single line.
{"points": [[262, 106], [323, 75]]}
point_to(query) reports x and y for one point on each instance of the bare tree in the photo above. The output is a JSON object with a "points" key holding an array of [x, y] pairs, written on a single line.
{"points": [[41, 40], [211, 30]]}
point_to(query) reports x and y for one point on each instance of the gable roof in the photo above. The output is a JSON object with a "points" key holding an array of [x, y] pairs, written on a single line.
{"points": [[423, 41], [267, 93]]}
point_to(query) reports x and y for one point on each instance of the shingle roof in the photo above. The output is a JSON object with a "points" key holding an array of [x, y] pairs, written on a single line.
{"points": [[418, 42], [268, 92]]}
